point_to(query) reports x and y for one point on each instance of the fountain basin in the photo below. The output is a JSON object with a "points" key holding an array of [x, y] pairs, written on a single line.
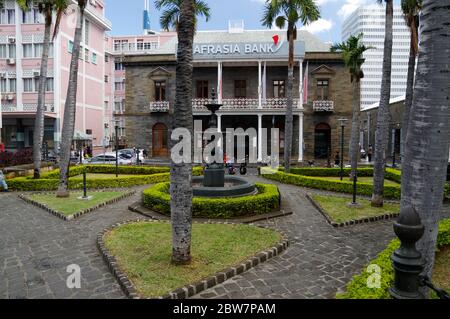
{"points": [[234, 187]]}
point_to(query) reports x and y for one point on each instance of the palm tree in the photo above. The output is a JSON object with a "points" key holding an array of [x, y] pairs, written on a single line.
{"points": [[290, 12], [181, 173], [428, 138], [383, 117], [410, 10], [170, 18], [70, 106], [352, 51], [46, 7]]}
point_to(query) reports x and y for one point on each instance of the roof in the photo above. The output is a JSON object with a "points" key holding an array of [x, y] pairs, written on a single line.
{"points": [[391, 101]]}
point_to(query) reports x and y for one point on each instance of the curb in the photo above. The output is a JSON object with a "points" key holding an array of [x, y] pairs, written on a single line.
{"points": [[77, 214], [364, 220], [191, 289]]}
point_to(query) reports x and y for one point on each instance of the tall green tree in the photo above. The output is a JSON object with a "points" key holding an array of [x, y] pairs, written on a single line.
{"points": [[383, 116], [46, 8], [70, 105], [282, 13], [427, 142], [181, 173], [352, 52], [411, 9], [170, 17]]}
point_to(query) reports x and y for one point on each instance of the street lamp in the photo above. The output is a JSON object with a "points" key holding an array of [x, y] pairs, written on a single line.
{"points": [[342, 122], [116, 129], [394, 131]]}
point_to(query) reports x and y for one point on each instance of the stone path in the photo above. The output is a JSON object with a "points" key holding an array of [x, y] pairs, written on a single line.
{"points": [[36, 248]]}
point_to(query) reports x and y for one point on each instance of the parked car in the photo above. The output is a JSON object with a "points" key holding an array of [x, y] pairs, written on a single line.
{"points": [[109, 158], [131, 154]]}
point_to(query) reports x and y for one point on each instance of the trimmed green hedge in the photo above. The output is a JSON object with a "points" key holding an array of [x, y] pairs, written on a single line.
{"points": [[143, 176], [326, 172], [390, 191], [157, 198], [357, 287]]}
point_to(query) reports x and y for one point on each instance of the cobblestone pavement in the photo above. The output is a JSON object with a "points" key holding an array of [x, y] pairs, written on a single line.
{"points": [[36, 248]]}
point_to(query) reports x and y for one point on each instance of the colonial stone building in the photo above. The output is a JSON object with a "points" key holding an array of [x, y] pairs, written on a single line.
{"points": [[248, 72]]}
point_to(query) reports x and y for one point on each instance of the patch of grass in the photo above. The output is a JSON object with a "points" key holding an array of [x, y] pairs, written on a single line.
{"points": [[72, 205], [441, 272], [363, 179], [103, 176], [143, 251], [337, 208]]}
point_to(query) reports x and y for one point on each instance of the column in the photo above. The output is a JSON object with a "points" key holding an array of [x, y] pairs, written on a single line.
{"points": [[300, 137], [260, 133], [219, 122], [259, 85], [300, 84], [219, 82]]}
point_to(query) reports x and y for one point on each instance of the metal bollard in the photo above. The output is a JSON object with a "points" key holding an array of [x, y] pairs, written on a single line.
{"points": [[84, 184], [407, 260]]}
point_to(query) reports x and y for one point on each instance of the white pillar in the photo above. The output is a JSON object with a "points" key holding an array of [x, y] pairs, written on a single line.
{"points": [[300, 85], [219, 82], [219, 122], [260, 132], [300, 137], [259, 85]]}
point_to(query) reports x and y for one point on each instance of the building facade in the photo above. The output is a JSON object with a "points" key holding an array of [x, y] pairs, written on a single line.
{"points": [[248, 72], [21, 43], [370, 20]]}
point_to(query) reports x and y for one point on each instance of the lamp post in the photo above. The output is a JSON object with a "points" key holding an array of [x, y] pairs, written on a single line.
{"points": [[116, 129], [342, 122], [396, 126]]}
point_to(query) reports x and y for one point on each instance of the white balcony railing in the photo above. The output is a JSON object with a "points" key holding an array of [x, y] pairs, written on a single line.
{"points": [[323, 106], [9, 108], [159, 106], [245, 104]]}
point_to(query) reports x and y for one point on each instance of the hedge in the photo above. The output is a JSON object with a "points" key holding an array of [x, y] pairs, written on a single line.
{"points": [[143, 176], [157, 198], [326, 172], [357, 287], [390, 191]]}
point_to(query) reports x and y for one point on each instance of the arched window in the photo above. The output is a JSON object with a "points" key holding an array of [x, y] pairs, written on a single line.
{"points": [[159, 140], [322, 141]]}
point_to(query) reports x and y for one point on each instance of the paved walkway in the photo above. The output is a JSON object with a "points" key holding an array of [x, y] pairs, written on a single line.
{"points": [[36, 248]]}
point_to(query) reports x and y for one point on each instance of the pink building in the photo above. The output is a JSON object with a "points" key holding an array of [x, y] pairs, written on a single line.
{"points": [[21, 38]]}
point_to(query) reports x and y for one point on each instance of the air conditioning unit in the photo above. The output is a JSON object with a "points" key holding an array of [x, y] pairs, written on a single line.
{"points": [[11, 39], [10, 97], [37, 73], [93, 3], [11, 61]]}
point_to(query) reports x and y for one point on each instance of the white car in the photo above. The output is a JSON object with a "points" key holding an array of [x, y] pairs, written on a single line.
{"points": [[109, 158]]}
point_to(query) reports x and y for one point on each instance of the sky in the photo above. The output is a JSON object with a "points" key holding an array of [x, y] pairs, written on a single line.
{"points": [[127, 20]]}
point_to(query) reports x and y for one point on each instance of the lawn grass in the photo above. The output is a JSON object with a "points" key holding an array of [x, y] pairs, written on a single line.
{"points": [[72, 205], [143, 251], [103, 176], [363, 179], [441, 272], [337, 208]]}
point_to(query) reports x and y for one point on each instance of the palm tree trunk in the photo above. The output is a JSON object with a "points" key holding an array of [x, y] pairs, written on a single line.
{"points": [[428, 137], [354, 139], [38, 134], [288, 127], [409, 90], [383, 119], [181, 174], [70, 107]]}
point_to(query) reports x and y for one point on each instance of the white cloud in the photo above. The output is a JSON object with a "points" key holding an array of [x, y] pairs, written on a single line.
{"points": [[322, 2], [318, 26], [349, 7]]}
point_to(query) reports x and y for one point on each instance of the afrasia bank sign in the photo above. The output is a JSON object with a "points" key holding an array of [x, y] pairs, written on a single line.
{"points": [[250, 50]]}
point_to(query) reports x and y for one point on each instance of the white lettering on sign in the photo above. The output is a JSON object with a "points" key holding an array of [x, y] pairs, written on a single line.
{"points": [[242, 48]]}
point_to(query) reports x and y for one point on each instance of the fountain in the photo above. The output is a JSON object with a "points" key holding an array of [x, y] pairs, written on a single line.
{"points": [[214, 183]]}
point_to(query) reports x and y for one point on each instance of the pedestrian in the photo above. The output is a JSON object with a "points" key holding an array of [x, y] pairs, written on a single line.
{"points": [[145, 153], [369, 153], [337, 159], [3, 182]]}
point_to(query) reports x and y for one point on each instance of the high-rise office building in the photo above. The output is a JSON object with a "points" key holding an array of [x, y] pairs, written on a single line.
{"points": [[370, 20]]}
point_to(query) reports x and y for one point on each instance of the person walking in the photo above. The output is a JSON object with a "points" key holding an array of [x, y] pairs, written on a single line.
{"points": [[369, 153], [3, 182]]}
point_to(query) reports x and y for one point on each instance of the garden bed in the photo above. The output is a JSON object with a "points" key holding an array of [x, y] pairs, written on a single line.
{"points": [[357, 288], [219, 252], [337, 212], [157, 198], [74, 207]]}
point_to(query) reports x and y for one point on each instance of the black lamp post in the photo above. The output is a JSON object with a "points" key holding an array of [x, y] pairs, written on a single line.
{"points": [[342, 122], [394, 135], [116, 128]]}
